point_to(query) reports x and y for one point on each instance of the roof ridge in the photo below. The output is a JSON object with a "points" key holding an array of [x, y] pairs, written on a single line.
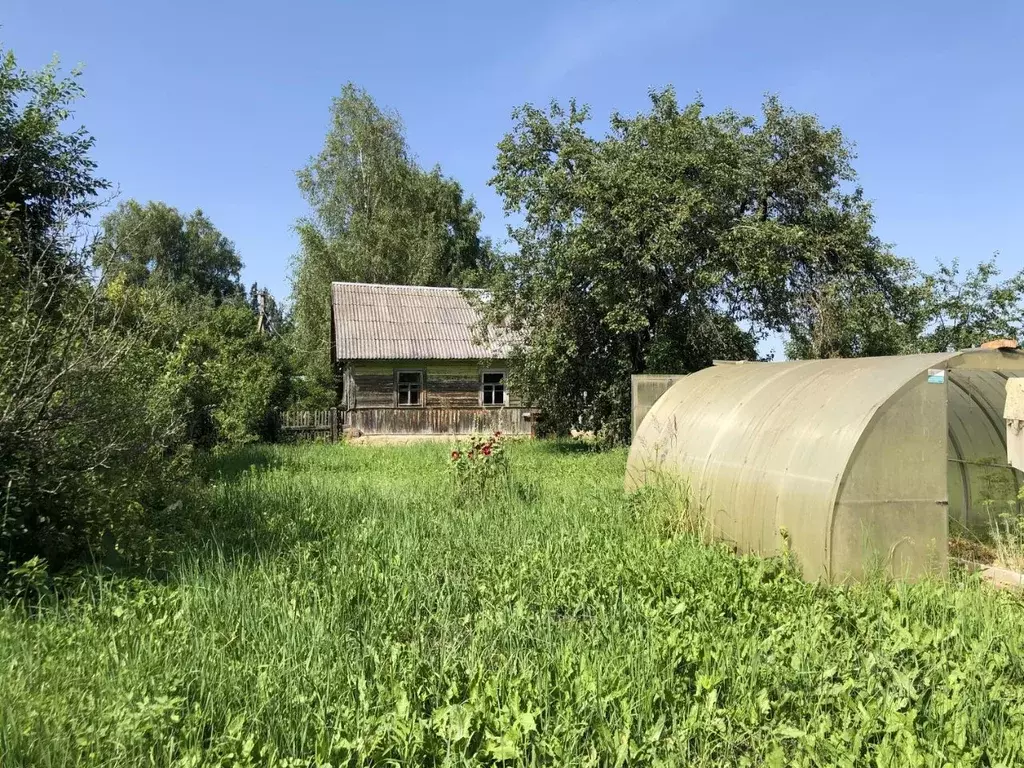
{"points": [[408, 287]]}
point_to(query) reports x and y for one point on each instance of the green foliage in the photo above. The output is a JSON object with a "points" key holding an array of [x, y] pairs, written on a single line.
{"points": [[375, 216], [223, 375], [106, 383], [362, 615], [965, 312], [1002, 543], [154, 245], [230, 377], [87, 445], [1008, 539], [851, 317], [654, 247], [939, 312], [90, 444], [668, 496], [47, 176], [480, 462]]}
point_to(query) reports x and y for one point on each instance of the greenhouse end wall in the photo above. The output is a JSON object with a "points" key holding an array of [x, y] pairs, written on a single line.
{"points": [[891, 511]]}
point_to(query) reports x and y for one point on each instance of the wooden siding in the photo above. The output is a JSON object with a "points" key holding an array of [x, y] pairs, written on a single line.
{"points": [[446, 383], [439, 421]]}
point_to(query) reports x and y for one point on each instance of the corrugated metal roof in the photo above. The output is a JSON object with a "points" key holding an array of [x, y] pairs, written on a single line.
{"points": [[408, 322]]}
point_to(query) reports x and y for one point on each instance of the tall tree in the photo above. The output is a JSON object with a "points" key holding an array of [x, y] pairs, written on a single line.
{"points": [[851, 315], [154, 245], [653, 247], [375, 216], [48, 184], [965, 311]]}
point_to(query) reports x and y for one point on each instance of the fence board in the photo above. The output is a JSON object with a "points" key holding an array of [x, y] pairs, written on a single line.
{"points": [[309, 424]]}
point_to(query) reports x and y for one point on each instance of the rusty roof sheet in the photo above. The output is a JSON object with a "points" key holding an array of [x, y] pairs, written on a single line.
{"points": [[409, 322]]}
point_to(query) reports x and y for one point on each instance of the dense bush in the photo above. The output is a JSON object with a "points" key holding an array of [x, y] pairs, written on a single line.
{"points": [[90, 446], [232, 379], [101, 406]]}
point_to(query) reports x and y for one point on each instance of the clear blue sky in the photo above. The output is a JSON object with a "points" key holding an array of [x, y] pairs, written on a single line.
{"points": [[216, 104]]}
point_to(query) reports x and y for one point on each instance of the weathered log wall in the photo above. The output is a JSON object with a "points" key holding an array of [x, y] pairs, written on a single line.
{"points": [[450, 401]]}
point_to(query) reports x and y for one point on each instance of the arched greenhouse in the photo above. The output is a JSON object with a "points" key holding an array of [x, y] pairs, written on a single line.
{"points": [[859, 461]]}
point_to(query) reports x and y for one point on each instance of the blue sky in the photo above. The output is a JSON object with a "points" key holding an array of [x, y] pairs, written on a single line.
{"points": [[214, 105]]}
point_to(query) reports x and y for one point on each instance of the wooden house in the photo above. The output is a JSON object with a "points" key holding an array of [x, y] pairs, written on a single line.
{"points": [[411, 360]]}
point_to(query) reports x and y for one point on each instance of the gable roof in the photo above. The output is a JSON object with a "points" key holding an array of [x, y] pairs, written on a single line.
{"points": [[408, 322]]}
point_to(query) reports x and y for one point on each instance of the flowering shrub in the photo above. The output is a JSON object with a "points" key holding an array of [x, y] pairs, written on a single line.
{"points": [[480, 460]]}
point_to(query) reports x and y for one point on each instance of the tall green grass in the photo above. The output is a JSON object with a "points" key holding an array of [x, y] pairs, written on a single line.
{"points": [[352, 609]]}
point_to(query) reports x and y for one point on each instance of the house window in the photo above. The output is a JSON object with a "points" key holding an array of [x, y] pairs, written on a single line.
{"points": [[492, 388], [409, 387]]}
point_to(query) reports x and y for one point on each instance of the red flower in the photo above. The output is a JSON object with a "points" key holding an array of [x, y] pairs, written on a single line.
{"points": [[456, 455], [487, 450]]}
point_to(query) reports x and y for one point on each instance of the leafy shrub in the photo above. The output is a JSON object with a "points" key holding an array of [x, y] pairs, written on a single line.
{"points": [[230, 377], [90, 444], [91, 452], [102, 404]]}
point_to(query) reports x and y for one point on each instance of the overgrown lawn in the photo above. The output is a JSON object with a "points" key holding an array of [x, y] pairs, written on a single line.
{"points": [[358, 611]]}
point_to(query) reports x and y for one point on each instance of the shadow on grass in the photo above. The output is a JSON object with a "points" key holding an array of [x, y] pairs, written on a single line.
{"points": [[232, 464], [248, 512], [232, 510], [569, 445]]}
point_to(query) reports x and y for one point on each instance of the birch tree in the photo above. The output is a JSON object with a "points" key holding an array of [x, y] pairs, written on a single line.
{"points": [[374, 216]]}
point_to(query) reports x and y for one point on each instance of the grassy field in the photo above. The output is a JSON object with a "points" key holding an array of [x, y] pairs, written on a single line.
{"points": [[358, 611]]}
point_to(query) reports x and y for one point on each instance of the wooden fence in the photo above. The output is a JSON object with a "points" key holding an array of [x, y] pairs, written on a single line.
{"points": [[329, 424], [310, 424], [440, 421]]}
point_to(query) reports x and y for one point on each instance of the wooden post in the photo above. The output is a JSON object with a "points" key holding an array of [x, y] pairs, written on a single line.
{"points": [[334, 425]]}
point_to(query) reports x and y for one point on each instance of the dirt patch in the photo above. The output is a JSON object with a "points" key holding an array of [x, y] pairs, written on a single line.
{"points": [[399, 439], [972, 551], [413, 439]]}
